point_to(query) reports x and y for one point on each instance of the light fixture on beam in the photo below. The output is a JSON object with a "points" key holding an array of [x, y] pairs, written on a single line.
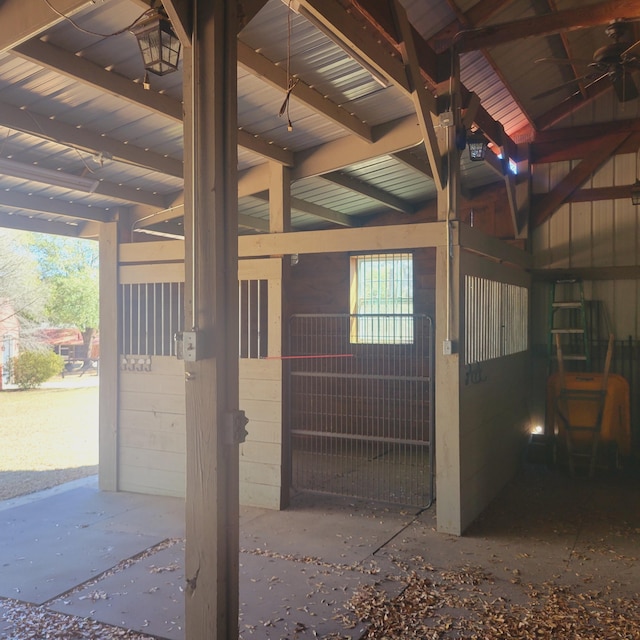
{"points": [[635, 192], [296, 7], [159, 45], [47, 176], [477, 146]]}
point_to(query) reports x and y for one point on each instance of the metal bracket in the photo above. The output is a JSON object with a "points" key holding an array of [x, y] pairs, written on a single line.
{"points": [[235, 427]]}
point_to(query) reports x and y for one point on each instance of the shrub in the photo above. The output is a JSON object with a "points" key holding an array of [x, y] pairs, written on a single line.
{"points": [[31, 368]]}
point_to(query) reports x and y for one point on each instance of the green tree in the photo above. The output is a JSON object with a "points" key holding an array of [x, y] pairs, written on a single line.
{"points": [[69, 267], [21, 289]]}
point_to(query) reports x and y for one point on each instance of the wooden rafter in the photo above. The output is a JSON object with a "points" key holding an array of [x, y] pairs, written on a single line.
{"points": [[423, 101], [276, 77], [434, 69], [369, 191], [473, 17], [38, 204], [332, 17], [571, 143], [547, 24], [390, 137], [572, 104], [82, 139], [67, 64], [24, 223], [51, 57], [24, 19], [410, 160], [550, 202], [324, 213]]}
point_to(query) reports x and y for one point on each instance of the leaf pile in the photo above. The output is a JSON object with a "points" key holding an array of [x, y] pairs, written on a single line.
{"points": [[459, 604], [33, 622]]}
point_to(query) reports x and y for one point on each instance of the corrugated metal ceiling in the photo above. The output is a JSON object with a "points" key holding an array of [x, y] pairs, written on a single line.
{"points": [[505, 77]]}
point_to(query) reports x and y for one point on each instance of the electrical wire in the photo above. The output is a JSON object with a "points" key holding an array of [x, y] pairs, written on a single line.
{"points": [[147, 13], [291, 82]]}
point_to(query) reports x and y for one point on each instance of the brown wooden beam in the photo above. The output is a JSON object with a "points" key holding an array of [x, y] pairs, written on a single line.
{"points": [[620, 192], [587, 273], [476, 16], [580, 142], [550, 202], [567, 20]]}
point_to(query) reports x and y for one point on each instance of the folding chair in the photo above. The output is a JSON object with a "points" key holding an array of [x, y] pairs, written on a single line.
{"points": [[580, 412]]}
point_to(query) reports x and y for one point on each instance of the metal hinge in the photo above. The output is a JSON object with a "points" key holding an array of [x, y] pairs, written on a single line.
{"points": [[235, 427]]}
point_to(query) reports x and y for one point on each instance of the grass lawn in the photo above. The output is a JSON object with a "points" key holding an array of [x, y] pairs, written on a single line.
{"points": [[47, 436]]}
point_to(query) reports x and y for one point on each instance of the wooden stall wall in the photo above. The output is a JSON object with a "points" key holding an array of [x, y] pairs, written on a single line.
{"points": [[151, 424], [494, 406], [152, 428], [263, 467]]}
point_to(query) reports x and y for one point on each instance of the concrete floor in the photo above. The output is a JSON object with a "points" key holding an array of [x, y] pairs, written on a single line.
{"points": [[118, 559]]}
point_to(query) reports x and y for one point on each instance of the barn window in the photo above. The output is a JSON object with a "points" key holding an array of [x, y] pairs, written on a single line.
{"points": [[382, 298], [496, 319]]}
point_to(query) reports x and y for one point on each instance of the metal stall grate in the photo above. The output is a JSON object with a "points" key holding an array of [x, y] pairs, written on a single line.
{"points": [[362, 412], [151, 315]]}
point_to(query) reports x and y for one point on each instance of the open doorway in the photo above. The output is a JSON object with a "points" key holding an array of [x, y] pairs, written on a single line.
{"points": [[50, 362]]}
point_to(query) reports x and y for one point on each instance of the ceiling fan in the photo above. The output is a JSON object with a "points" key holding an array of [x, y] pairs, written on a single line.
{"points": [[617, 61]]}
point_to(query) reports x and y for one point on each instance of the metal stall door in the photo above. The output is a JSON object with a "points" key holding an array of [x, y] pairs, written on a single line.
{"points": [[361, 413]]}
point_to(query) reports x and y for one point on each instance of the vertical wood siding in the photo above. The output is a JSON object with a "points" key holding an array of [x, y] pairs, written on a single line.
{"points": [[593, 234]]}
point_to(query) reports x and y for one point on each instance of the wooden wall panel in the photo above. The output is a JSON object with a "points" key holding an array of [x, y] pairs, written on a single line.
{"points": [[601, 234], [626, 233], [494, 412], [152, 428], [263, 481], [581, 236]]}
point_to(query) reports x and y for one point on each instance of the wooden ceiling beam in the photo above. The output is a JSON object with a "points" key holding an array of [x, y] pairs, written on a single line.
{"points": [[65, 63], [572, 104], [390, 137], [247, 11], [90, 74], [369, 191], [38, 204], [572, 143], [38, 225], [423, 101], [548, 24], [597, 194], [473, 17], [25, 19], [276, 77], [324, 213], [330, 16], [407, 158], [548, 204], [84, 140]]}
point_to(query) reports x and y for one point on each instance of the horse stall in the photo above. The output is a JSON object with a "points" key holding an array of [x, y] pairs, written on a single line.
{"points": [[360, 379]]}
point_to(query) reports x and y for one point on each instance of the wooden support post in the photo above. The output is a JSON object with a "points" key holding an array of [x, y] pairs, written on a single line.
{"points": [[211, 316], [279, 198], [109, 364], [448, 339]]}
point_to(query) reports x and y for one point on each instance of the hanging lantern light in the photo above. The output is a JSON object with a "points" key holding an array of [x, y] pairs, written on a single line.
{"points": [[159, 45], [477, 147], [635, 192]]}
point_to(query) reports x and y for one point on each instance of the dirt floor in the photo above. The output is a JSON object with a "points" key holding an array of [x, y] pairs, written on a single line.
{"points": [[49, 435]]}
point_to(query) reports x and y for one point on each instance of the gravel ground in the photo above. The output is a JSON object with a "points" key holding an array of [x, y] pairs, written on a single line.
{"points": [[48, 436]]}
